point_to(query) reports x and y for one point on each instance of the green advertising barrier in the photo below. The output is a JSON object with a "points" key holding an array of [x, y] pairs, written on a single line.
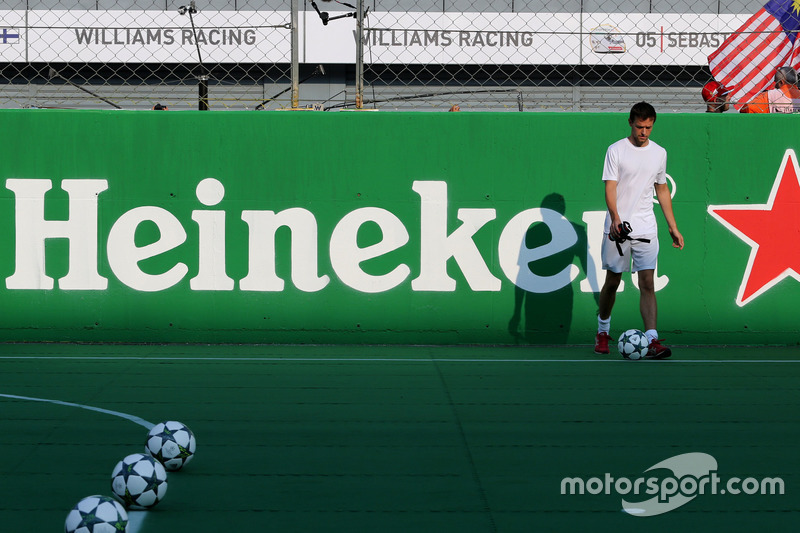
{"points": [[381, 227]]}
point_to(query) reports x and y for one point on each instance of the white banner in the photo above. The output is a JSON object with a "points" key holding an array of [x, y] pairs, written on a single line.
{"points": [[147, 37], [389, 38], [12, 37], [449, 38], [655, 39]]}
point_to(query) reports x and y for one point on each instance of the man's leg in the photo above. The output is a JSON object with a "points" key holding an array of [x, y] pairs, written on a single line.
{"points": [[649, 310], [647, 299], [608, 295]]}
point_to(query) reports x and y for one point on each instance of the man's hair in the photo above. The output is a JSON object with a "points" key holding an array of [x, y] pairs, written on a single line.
{"points": [[786, 75], [642, 111]]}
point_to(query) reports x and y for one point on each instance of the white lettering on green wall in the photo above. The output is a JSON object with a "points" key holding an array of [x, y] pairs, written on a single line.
{"points": [[32, 230], [436, 246]]}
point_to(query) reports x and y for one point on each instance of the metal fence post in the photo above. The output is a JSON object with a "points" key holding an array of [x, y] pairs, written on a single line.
{"points": [[202, 92], [360, 55], [295, 74]]}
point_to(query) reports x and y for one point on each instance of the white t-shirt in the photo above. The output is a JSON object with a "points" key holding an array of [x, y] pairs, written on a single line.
{"points": [[635, 170], [779, 102]]}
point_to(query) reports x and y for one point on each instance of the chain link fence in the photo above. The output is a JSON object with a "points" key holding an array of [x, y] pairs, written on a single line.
{"points": [[557, 55], [483, 55], [138, 53]]}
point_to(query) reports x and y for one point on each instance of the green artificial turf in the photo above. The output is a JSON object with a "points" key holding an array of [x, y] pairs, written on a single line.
{"points": [[398, 438]]}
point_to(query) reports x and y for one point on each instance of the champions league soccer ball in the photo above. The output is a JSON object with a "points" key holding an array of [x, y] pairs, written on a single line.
{"points": [[633, 344], [172, 444], [139, 481], [97, 514]]}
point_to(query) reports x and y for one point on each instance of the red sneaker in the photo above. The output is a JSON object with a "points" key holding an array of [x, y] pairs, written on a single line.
{"points": [[656, 351], [601, 343]]}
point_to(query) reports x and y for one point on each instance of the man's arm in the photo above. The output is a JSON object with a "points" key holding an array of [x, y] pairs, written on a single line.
{"points": [[611, 203], [665, 200]]}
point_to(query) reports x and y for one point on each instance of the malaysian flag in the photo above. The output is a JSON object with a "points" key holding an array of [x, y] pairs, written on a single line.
{"points": [[748, 59]]}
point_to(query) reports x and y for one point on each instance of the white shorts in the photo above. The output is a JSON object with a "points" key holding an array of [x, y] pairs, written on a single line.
{"points": [[643, 254]]}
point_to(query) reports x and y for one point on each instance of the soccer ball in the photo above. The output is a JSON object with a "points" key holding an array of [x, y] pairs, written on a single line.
{"points": [[172, 444], [97, 514], [633, 344], [139, 481]]}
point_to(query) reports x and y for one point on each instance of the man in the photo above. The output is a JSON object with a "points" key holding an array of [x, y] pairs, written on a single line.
{"points": [[784, 98], [633, 167], [716, 97]]}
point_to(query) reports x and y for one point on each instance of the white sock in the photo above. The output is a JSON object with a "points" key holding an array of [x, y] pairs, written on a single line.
{"points": [[603, 326], [652, 335]]}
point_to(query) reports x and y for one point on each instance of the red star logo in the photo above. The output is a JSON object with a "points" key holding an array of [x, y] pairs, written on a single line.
{"points": [[772, 230]]}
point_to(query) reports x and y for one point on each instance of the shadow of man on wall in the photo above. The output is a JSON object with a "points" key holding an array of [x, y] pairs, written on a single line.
{"points": [[547, 269]]}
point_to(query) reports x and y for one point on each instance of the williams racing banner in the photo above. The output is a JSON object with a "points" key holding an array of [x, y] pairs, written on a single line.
{"points": [[389, 37]]}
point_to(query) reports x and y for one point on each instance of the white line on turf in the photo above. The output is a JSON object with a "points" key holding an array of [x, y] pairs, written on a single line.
{"points": [[392, 359], [135, 518], [126, 416]]}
